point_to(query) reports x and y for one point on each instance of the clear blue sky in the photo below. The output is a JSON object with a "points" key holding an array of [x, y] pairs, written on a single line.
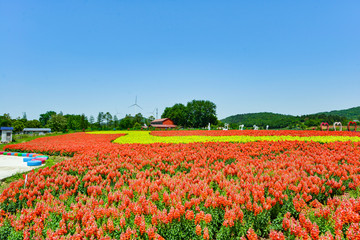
{"points": [[291, 57]]}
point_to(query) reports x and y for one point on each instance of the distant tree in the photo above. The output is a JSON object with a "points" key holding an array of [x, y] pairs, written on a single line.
{"points": [[200, 113], [5, 120], [33, 124], [18, 126], [177, 113], [108, 118], [138, 118], [45, 117], [83, 122], [137, 126], [57, 123], [73, 121], [151, 118], [100, 119], [91, 119], [126, 122], [24, 118], [115, 122]]}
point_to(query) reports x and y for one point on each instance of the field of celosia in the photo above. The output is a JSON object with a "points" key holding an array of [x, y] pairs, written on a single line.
{"points": [[146, 137], [288, 189]]}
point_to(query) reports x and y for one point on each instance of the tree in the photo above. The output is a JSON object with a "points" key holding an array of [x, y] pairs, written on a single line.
{"points": [[116, 121], [91, 119], [126, 122], [83, 122], [177, 113], [33, 124], [18, 126], [200, 113], [138, 118], [100, 119], [151, 118], [24, 118], [108, 119], [45, 117], [5, 120], [57, 123]]}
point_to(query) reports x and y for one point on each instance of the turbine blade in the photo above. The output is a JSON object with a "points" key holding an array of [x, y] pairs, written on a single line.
{"points": [[138, 106]]}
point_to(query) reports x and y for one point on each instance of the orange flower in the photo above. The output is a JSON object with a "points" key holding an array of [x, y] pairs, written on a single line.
{"points": [[198, 230]]}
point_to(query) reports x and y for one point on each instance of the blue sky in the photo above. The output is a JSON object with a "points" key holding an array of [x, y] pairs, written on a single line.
{"points": [[291, 57]]}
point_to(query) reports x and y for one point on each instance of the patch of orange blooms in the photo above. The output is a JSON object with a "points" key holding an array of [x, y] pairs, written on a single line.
{"points": [[253, 190], [307, 133]]}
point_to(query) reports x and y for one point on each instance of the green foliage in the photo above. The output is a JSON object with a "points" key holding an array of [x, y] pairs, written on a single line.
{"points": [[126, 122], [76, 122], [262, 119], [197, 113], [200, 113], [177, 113], [5, 120], [33, 124], [317, 119], [275, 120], [57, 123], [44, 118], [350, 113], [18, 126]]}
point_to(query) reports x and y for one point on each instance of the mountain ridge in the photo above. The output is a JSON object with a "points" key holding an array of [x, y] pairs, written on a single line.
{"points": [[278, 120]]}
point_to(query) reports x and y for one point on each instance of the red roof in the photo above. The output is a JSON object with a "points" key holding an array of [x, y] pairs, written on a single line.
{"points": [[163, 126], [159, 120]]}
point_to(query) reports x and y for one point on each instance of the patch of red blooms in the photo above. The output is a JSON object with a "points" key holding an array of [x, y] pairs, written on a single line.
{"points": [[136, 191]]}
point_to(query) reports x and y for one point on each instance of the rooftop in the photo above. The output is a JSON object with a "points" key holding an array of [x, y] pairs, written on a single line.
{"points": [[37, 129], [6, 128], [159, 120]]}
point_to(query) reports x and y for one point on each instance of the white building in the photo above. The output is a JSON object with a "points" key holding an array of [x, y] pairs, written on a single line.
{"points": [[6, 134]]}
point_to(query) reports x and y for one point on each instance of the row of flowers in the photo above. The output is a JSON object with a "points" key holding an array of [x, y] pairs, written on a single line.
{"points": [[307, 133], [209, 190], [147, 137]]}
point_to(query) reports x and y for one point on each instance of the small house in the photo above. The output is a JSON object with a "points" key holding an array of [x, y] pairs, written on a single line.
{"points": [[6, 134], [163, 123], [40, 131]]}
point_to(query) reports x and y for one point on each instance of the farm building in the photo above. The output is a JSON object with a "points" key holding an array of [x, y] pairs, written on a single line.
{"points": [[6, 134], [40, 131], [163, 123]]}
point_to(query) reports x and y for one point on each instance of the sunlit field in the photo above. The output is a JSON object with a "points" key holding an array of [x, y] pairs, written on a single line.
{"points": [[188, 185]]}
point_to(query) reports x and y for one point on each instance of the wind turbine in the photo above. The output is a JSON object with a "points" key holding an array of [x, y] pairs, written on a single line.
{"points": [[153, 113], [135, 104]]}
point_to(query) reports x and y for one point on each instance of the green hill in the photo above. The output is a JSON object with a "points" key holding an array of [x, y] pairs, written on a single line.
{"points": [[274, 120], [350, 113]]}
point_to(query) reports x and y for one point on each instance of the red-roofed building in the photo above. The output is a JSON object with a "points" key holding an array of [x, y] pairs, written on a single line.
{"points": [[163, 123]]}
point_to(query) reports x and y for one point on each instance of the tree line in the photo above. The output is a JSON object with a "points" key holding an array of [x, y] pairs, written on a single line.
{"points": [[195, 114], [280, 121], [59, 122]]}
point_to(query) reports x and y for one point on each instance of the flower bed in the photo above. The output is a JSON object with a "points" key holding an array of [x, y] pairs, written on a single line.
{"points": [[265, 189], [254, 133]]}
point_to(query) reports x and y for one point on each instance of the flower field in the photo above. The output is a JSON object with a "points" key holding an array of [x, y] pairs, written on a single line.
{"points": [[254, 133], [147, 137], [301, 187]]}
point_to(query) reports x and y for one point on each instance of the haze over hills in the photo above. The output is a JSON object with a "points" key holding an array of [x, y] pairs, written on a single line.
{"points": [[276, 120]]}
